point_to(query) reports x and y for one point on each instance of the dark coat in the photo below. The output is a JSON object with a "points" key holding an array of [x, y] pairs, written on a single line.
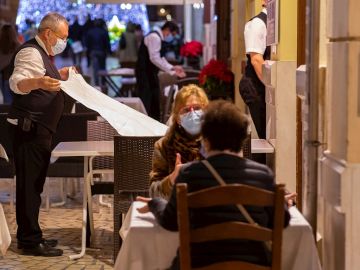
{"points": [[234, 170]]}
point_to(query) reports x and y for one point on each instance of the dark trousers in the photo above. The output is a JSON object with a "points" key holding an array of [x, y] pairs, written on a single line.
{"points": [[149, 92], [258, 114], [98, 61], [31, 156]]}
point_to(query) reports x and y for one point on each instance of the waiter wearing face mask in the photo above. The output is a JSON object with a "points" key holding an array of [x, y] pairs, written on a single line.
{"points": [[34, 115], [150, 60]]}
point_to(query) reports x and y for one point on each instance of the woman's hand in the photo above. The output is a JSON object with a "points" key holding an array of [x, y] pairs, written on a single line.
{"points": [[176, 170], [145, 208]]}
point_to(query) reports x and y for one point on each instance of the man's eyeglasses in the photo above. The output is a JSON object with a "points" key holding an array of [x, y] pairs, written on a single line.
{"points": [[189, 108], [64, 39]]}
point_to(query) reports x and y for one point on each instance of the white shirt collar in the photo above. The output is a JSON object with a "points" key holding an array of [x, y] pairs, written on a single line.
{"points": [[160, 32], [264, 10], [41, 43]]}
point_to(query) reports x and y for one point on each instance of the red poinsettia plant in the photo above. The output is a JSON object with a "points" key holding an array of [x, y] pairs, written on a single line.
{"points": [[217, 80], [191, 49]]}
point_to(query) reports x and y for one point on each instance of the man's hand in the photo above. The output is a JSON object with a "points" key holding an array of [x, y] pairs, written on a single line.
{"points": [[290, 198], [179, 71], [64, 72], [176, 170], [49, 84], [145, 208]]}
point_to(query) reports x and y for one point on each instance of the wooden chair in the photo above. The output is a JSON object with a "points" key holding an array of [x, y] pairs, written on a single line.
{"points": [[132, 165], [234, 194]]}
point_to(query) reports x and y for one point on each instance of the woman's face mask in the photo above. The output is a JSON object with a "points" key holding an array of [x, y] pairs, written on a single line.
{"points": [[59, 47], [191, 122]]}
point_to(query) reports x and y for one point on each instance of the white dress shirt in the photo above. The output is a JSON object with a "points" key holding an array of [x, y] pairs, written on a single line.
{"points": [[153, 43], [28, 64], [255, 36]]}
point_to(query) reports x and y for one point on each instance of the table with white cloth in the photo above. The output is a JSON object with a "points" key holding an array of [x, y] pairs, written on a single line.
{"points": [[147, 246], [5, 237], [86, 149], [128, 80], [133, 102]]}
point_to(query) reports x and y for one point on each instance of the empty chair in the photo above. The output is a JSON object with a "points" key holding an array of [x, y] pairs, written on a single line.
{"points": [[72, 127], [132, 165], [100, 166]]}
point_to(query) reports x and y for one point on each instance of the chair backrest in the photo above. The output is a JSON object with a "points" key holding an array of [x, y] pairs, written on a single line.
{"points": [[230, 195], [132, 166], [80, 108], [186, 81], [72, 127], [165, 80], [247, 147], [101, 131], [190, 73], [133, 157]]}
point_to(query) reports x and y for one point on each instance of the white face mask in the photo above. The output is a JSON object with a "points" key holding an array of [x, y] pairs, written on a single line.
{"points": [[191, 122], [59, 47]]}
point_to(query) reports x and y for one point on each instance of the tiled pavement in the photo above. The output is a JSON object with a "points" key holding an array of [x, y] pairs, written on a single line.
{"points": [[62, 223]]}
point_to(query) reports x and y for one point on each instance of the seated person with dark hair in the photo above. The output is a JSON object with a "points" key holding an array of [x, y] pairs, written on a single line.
{"points": [[224, 129]]}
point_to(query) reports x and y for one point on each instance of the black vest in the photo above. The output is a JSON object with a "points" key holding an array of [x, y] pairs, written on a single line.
{"points": [[42, 107], [249, 70], [143, 64]]}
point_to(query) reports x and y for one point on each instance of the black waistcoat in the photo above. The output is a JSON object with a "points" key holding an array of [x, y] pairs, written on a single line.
{"points": [[42, 107], [249, 70], [143, 64]]}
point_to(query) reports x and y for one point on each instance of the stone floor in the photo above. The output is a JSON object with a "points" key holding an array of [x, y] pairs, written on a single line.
{"points": [[62, 223]]}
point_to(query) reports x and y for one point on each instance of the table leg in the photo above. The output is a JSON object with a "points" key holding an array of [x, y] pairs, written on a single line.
{"points": [[83, 235], [91, 217]]}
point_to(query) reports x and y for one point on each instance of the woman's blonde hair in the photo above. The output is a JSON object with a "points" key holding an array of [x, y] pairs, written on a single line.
{"points": [[182, 96]]}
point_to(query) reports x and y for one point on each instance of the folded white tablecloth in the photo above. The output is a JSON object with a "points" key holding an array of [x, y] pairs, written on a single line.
{"points": [[126, 121]]}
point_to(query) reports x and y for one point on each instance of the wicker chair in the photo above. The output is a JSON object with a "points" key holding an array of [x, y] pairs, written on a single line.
{"points": [[247, 147], [100, 166], [132, 165]]}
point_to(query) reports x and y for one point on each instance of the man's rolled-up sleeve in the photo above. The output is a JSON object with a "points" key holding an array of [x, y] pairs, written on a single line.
{"points": [[28, 64]]}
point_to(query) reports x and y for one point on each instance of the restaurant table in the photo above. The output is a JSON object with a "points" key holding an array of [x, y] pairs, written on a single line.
{"points": [[86, 149], [127, 75], [5, 237], [147, 246], [133, 102]]}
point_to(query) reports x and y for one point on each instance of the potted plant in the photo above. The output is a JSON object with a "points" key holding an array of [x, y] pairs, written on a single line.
{"points": [[192, 51], [217, 80]]}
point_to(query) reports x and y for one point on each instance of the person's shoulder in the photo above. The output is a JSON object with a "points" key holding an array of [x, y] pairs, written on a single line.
{"points": [[258, 168]]}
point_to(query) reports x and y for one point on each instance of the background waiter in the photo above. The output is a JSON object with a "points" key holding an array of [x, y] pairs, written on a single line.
{"points": [[150, 61], [252, 89], [34, 114]]}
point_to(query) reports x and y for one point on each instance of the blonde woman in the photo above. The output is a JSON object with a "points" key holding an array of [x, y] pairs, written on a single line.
{"points": [[181, 143]]}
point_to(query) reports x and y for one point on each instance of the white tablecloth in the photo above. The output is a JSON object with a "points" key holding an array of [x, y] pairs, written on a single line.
{"points": [[5, 238], [147, 246]]}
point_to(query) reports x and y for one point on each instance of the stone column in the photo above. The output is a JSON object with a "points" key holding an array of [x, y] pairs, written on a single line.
{"points": [[339, 185]]}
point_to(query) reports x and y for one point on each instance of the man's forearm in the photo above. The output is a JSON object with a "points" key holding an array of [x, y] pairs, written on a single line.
{"points": [[257, 61], [27, 85]]}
